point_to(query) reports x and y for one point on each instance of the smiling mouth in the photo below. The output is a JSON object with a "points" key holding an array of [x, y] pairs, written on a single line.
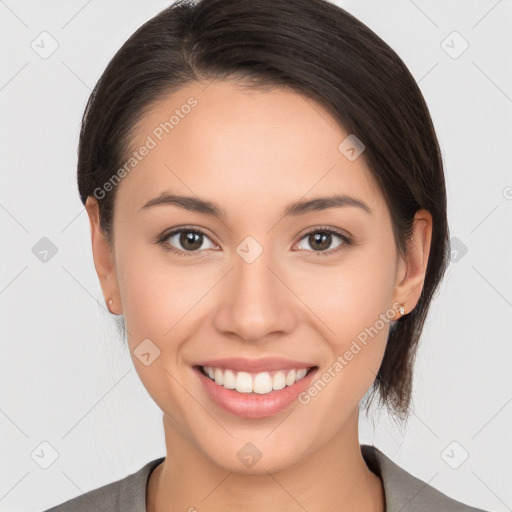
{"points": [[261, 383]]}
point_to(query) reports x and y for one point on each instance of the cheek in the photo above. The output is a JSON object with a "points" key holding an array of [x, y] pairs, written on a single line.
{"points": [[156, 299], [353, 304], [342, 302], [156, 294], [162, 302], [350, 295]]}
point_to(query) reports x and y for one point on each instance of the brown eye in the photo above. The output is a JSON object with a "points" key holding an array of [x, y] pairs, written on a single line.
{"points": [[321, 241], [186, 242], [190, 240]]}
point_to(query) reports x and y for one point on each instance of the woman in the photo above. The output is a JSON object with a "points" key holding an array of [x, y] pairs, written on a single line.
{"points": [[268, 213]]}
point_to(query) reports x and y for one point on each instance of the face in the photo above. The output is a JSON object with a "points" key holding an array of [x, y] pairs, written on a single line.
{"points": [[256, 288]]}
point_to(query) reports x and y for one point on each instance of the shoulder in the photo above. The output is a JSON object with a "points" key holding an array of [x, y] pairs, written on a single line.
{"points": [[406, 493], [127, 494]]}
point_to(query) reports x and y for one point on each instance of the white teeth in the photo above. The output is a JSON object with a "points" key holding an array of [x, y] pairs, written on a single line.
{"points": [[243, 382], [290, 378], [260, 383], [229, 380], [278, 380], [218, 376], [301, 373]]}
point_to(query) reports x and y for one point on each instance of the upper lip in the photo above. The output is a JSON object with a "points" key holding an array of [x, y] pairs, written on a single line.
{"points": [[241, 364]]}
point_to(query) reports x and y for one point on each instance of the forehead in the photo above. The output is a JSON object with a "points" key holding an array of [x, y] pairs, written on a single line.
{"points": [[241, 146]]}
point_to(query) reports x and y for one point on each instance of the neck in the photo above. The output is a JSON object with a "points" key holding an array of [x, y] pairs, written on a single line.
{"points": [[333, 478]]}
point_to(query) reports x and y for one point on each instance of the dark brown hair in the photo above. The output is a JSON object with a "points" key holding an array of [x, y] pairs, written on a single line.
{"points": [[315, 49]]}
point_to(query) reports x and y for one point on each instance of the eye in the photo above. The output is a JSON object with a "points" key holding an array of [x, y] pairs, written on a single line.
{"points": [[185, 241], [321, 239], [189, 241]]}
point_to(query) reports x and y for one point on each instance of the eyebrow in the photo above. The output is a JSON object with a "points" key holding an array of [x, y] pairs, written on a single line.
{"points": [[196, 204]]}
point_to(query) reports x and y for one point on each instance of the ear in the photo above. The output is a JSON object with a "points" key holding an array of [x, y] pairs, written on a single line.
{"points": [[104, 262], [412, 267]]}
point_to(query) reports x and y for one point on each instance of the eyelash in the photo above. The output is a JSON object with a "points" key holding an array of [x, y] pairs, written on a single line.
{"points": [[162, 240]]}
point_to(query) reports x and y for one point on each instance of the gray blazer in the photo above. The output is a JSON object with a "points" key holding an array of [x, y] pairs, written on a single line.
{"points": [[403, 492]]}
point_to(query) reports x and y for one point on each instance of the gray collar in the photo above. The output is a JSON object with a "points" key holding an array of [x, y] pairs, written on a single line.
{"points": [[403, 491]]}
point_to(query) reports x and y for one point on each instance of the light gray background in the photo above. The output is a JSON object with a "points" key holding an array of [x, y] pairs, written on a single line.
{"points": [[67, 380]]}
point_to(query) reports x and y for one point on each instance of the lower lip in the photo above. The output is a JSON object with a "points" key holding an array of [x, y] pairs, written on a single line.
{"points": [[254, 405]]}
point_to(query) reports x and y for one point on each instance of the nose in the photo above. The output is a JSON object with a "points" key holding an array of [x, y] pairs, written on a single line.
{"points": [[255, 303]]}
